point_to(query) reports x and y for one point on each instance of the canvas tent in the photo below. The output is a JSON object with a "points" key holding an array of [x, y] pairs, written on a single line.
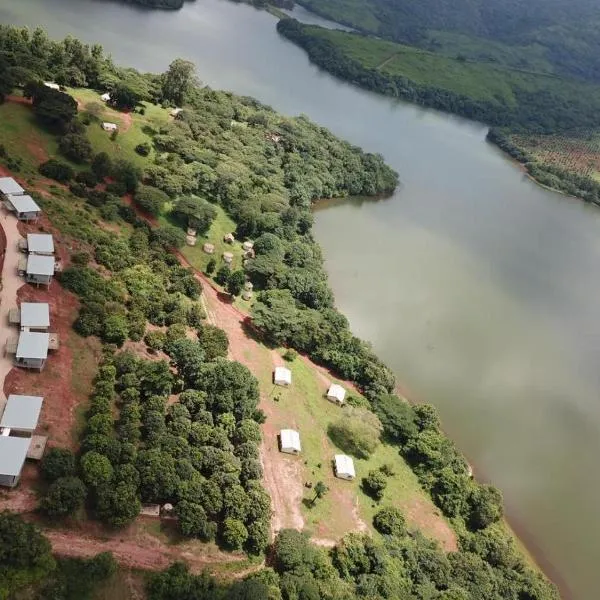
{"points": [[13, 452], [21, 413], [290, 441], [336, 393], [344, 467], [282, 376]]}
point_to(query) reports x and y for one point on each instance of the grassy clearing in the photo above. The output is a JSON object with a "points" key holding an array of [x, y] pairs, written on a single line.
{"points": [[123, 585], [304, 407], [351, 12]]}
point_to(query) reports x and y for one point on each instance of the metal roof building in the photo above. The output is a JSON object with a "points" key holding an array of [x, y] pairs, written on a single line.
{"points": [[8, 186], [282, 376], [35, 315], [344, 467], [40, 243], [336, 393], [25, 207], [39, 269], [13, 452], [290, 441], [32, 349], [22, 412]]}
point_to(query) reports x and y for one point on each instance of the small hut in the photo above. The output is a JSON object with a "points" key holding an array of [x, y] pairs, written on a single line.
{"points": [[248, 245], [336, 393], [229, 238], [191, 231], [109, 126], [282, 376], [247, 295], [191, 240], [248, 286], [105, 97], [52, 85], [289, 441], [209, 248], [344, 467], [249, 253], [228, 257]]}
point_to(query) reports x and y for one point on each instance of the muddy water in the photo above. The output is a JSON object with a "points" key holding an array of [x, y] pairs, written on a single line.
{"points": [[479, 288]]}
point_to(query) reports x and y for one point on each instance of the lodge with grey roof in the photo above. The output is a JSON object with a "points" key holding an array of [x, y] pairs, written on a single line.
{"points": [[37, 268], [24, 207], [31, 316], [9, 187], [13, 452], [40, 243], [21, 414]]}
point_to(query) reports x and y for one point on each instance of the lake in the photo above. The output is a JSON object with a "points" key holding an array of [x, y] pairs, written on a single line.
{"points": [[479, 288]]}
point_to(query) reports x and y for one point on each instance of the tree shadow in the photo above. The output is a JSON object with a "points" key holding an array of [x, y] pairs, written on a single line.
{"points": [[225, 297], [308, 503]]}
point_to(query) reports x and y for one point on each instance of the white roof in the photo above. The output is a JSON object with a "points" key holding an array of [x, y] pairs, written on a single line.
{"points": [[13, 452], [33, 345], [336, 391], [344, 465], [51, 85], [42, 243], [35, 314], [9, 186], [108, 125], [38, 264], [22, 412], [23, 204], [105, 96], [283, 374], [290, 439]]}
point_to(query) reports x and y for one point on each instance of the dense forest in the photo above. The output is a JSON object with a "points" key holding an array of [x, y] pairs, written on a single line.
{"points": [[565, 31], [184, 429]]}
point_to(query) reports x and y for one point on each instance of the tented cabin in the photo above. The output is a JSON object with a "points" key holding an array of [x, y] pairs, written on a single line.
{"points": [[344, 467], [40, 243], [336, 393], [21, 414], [13, 452], [282, 376], [37, 269], [9, 187], [32, 316], [105, 97], [52, 85], [109, 126], [289, 441], [24, 207], [32, 350]]}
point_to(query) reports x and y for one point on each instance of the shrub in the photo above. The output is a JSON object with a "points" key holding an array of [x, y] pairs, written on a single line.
{"points": [[356, 432], [143, 149], [234, 533], [75, 147], [57, 462], [211, 265], [64, 497], [290, 355], [57, 170], [88, 178], [390, 521], [374, 484]]}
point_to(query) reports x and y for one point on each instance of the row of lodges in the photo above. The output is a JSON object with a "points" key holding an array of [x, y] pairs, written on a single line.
{"points": [[289, 439], [32, 343]]}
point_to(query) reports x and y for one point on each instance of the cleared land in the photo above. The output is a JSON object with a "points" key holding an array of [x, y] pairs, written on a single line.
{"points": [[148, 544]]}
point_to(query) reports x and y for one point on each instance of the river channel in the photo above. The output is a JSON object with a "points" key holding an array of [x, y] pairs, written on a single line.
{"points": [[480, 289]]}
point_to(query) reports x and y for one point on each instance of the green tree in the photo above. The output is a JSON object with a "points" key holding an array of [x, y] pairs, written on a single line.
{"points": [[235, 282], [222, 276], [150, 199], [75, 147], [192, 520], [210, 266], [234, 534], [320, 490], [195, 212], [57, 462], [118, 505], [213, 341], [96, 469], [52, 108], [486, 506], [178, 80], [390, 521], [64, 497], [124, 97], [169, 236], [115, 329], [374, 484]]}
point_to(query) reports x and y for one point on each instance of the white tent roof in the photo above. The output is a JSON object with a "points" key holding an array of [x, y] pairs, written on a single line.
{"points": [[290, 439], [283, 375], [9, 186], [38, 264], [23, 204], [22, 412], [33, 345], [336, 391], [344, 465], [35, 314], [42, 243], [13, 452]]}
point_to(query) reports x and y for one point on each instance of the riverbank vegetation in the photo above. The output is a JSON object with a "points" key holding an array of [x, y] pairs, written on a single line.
{"points": [[171, 420]]}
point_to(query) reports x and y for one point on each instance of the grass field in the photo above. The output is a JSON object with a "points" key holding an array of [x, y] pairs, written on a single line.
{"points": [[303, 406]]}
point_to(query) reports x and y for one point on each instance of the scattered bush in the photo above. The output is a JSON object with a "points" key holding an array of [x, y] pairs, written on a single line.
{"points": [[54, 169], [356, 432]]}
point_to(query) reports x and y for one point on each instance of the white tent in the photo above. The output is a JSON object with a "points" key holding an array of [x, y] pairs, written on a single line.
{"points": [[344, 467], [290, 441], [336, 393], [282, 376], [109, 126]]}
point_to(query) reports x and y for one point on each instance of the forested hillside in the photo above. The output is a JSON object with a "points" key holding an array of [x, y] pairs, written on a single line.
{"points": [[567, 31]]}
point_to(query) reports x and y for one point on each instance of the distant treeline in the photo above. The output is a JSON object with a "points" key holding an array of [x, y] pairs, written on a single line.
{"points": [[541, 111]]}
